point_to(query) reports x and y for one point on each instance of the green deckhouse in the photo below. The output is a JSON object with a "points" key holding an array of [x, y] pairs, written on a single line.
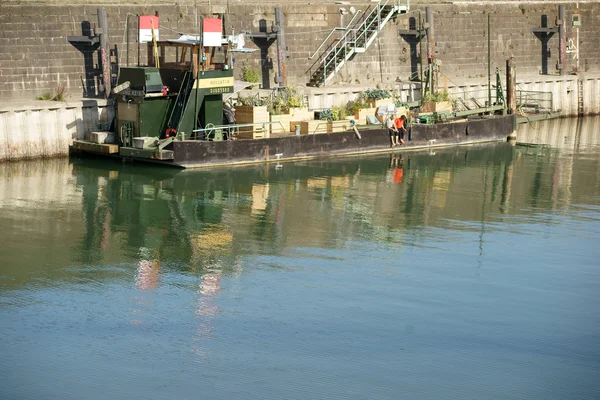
{"points": [[175, 96]]}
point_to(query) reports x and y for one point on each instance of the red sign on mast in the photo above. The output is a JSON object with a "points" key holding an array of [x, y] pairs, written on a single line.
{"points": [[212, 29], [147, 23]]}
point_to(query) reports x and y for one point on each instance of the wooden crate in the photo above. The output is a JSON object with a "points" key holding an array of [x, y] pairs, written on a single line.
{"points": [[310, 127], [285, 120], [361, 115], [293, 125], [252, 115], [438, 106], [299, 113], [256, 133]]}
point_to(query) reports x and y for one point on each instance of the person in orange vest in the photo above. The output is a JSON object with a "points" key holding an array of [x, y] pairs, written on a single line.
{"points": [[400, 128]]}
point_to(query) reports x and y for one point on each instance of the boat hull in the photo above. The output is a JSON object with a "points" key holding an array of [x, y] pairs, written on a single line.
{"points": [[200, 153], [193, 154]]}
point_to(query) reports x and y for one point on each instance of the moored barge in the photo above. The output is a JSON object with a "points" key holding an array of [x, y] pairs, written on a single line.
{"points": [[172, 112]]}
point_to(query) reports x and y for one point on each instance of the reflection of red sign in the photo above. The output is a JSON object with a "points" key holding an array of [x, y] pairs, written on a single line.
{"points": [[398, 174], [146, 24]]}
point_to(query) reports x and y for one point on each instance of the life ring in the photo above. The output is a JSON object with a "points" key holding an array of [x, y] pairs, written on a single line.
{"points": [[171, 132]]}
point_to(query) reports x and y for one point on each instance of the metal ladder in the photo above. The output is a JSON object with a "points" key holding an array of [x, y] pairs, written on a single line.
{"points": [[182, 98], [579, 97], [356, 40]]}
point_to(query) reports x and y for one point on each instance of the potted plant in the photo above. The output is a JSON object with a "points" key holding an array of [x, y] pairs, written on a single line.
{"points": [[436, 102], [251, 110], [360, 108], [287, 107], [377, 97]]}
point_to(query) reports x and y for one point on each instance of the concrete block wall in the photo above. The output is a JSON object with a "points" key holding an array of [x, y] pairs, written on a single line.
{"points": [[35, 56]]}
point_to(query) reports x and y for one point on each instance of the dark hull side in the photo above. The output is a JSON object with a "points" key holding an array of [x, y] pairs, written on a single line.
{"points": [[190, 154]]}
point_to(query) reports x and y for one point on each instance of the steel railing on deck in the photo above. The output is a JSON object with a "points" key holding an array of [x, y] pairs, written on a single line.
{"points": [[539, 101], [232, 130]]}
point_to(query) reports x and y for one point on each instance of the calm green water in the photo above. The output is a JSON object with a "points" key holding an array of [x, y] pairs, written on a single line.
{"points": [[468, 273]]}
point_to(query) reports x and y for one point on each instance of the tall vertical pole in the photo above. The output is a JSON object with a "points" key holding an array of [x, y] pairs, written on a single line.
{"points": [[511, 96], [196, 75], [138, 40], [104, 57], [562, 40], [127, 35], [279, 23], [577, 44], [421, 51], [430, 35], [489, 66], [511, 87], [429, 30]]}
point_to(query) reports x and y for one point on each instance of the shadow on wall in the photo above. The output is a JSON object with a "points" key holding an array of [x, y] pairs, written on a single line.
{"points": [[92, 72], [92, 118], [88, 44], [412, 38]]}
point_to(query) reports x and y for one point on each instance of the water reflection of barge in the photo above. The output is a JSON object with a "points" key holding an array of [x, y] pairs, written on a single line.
{"points": [[173, 113]]}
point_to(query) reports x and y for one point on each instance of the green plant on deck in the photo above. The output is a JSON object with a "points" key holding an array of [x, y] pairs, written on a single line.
{"points": [[275, 107], [436, 97], [326, 115], [339, 113], [358, 104], [376, 94], [290, 97], [60, 93], [252, 100], [283, 98], [335, 113]]}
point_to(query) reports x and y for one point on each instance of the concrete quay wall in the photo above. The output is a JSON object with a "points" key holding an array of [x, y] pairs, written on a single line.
{"points": [[35, 56], [40, 129], [564, 91], [36, 129]]}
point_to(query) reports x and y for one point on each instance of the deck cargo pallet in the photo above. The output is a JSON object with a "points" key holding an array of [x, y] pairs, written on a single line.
{"points": [[317, 126], [252, 115]]}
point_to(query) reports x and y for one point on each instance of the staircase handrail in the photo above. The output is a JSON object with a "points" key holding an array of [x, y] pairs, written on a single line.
{"points": [[337, 28], [353, 35], [365, 15]]}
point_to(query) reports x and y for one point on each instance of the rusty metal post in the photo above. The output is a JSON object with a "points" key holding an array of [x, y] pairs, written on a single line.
{"points": [[281, 49], [511, 87], [104, 56], [429, 31], [562, 40]]}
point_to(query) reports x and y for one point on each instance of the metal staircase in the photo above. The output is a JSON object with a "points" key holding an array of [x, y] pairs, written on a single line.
{"points": [[355, 40]]}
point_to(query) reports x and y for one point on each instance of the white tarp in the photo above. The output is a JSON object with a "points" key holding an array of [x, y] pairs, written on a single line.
{"points": [[386, 109]]}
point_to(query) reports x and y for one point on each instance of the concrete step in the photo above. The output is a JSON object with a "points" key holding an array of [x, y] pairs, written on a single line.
{"points": [[101, 137]]}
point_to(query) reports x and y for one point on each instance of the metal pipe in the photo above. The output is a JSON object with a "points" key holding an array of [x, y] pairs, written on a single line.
{"points": [[421, 51], [489, 66], [127, 35], [138, 41]]}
